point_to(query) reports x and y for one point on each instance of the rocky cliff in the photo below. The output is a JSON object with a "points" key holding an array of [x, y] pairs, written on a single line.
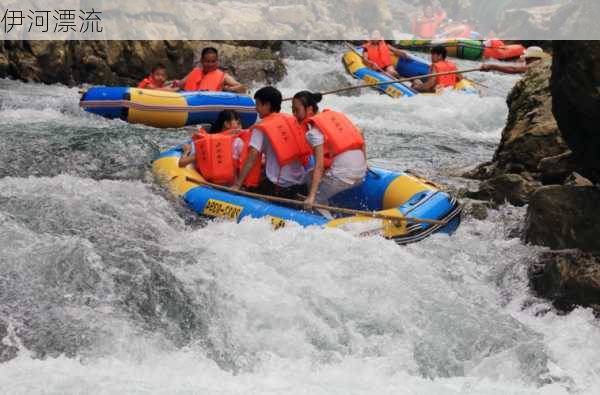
{"points": [[127, 62], [548, 158]]}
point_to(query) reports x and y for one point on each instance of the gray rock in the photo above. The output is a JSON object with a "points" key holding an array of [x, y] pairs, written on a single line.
{"points": [[576, 101], [568, 278], [564, 217], [510, 188]]}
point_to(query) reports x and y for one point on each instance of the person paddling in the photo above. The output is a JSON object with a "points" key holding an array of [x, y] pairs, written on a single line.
{"points": [[377, 54], [439, 64], [338, 147], [209, 77], [157, 80], [531, 55], [280, 138]]}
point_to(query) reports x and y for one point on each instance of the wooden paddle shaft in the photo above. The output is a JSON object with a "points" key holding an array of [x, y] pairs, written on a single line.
{"points": [[342, 210]]}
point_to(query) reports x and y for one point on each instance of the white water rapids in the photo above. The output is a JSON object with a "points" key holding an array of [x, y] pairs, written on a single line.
{"points": [[109, 285]]}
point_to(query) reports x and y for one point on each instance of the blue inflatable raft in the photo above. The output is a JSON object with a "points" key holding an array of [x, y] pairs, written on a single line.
{"points": [[165, 109], [388, 193]]}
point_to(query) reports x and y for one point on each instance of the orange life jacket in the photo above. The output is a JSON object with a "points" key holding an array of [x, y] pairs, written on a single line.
{"points": [[425, 28], [493, 43], [253, 177], [286, 138], [379, 54], [200, 81], [444, 66], [214, 158], [149, 81], [340, 134]]}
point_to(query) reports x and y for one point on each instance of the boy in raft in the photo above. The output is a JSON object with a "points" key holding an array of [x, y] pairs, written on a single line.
{"points": [[209, 77], [280, 138], [157, 80], [227, 121], [531, 55], [439, 64], [377, 54], [338, 147]]}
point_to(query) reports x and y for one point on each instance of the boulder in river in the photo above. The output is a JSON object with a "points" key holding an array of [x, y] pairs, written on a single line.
{"points": [[564, 217], [569, 278]]}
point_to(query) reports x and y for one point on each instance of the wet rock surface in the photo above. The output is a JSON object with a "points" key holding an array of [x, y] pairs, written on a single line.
{"points": [[576, 101], [562, 217], [121, 63], [569, 278]]}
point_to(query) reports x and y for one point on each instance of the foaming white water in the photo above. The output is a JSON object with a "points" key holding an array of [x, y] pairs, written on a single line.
{"points": [[315, 311]]}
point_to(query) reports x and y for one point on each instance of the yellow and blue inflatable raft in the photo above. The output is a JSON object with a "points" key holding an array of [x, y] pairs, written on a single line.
{"points": [[384, 192], [409, 67], [165, 109]]}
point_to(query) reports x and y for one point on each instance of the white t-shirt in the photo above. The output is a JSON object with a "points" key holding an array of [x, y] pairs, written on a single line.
{"points": [[349, 166], [286, 176]]}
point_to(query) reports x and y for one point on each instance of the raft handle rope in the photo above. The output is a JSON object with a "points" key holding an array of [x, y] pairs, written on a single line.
{"points": [[370, 214]]}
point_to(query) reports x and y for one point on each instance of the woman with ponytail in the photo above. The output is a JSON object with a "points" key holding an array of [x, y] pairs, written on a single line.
{"points": [[338, 148]]}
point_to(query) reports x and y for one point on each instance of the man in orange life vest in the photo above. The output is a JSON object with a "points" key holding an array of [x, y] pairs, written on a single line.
{"points": [[280, 138], [426, 25], [156, 80], [439, 64], [209, 77], [377, 54]]}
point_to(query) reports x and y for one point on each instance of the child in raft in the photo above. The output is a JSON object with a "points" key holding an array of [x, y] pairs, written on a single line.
{"points": [[228, 120], [157, 80], [338, 147]]}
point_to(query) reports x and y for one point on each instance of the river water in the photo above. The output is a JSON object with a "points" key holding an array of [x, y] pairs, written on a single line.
{"points": [[110, 285]]}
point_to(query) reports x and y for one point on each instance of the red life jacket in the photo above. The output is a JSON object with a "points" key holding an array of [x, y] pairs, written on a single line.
{"points": [[286, 138], [379, 54], [340, 134], [214, 158], [200, 81], [425, 28], [149, 81], [253, 178], [444, 66]]}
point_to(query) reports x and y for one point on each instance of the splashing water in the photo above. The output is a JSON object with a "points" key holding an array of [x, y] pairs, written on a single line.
{"points": [[108, 285]]}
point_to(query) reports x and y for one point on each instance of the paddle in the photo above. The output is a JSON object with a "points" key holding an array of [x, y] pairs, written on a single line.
{"points": [[372, 84], [341, 210]]}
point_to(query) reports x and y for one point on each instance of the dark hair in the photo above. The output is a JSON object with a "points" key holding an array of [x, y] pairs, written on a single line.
{"points": [[208, 50], [270, 95], [224, 116], [157, 67], [309, 99], [440, 50]]}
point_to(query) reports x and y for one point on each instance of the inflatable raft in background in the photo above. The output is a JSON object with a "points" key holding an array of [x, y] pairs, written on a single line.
{"points": [[165, 109], [409, 67], [465, 49], [385, 192]]}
